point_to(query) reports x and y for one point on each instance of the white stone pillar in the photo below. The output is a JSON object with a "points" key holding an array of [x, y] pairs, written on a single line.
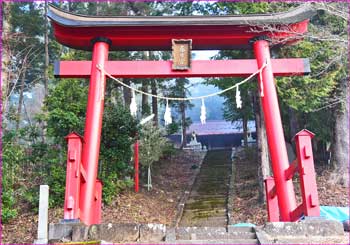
{"points": [[43, 215]]}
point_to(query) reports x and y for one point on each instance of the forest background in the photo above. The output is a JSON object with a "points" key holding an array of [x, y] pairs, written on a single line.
{"points": [[33, 144]]}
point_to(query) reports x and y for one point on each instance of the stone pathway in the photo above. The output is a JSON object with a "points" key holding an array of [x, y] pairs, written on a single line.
{"points": [[206, 205]]}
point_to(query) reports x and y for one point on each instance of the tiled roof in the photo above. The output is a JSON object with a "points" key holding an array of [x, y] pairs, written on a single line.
{"points": [[219, 127]]}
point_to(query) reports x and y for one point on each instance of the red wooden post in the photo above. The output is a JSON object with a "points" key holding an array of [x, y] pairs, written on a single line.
{"points": [[274, 131], [71, 200], [136, 166], [273, 212], [307, 173], [97, 205], [92, 134]]}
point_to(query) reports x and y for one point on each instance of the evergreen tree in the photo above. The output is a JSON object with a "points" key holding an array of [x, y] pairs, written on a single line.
{"points": [[180, 90]]}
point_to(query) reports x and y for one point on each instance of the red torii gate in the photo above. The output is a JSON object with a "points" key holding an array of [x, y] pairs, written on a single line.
{"points": [[100, 34]]}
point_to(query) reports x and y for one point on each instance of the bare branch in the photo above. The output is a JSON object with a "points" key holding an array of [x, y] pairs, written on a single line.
{"points": [[341, 10]]}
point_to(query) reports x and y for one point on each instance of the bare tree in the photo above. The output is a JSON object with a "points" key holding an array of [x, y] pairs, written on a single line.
{"points": [[21, 93], [15, 68]]}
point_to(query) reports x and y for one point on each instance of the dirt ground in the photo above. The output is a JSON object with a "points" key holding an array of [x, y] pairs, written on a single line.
{"points": [[246, 208], [170, 178]]}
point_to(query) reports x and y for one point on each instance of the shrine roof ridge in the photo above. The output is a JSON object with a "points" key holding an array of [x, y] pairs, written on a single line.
{"points": [[298, 14]]}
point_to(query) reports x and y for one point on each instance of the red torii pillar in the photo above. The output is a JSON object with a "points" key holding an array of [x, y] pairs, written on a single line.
{"points": [[274, 132], [90, 193]]}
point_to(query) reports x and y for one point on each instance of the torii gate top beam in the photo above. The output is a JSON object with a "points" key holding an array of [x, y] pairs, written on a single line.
{"points": [[156, 32]]}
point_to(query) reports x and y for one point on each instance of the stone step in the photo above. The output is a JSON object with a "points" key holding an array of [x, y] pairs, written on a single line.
{"points": [[212, 175], [218, 185], [210, 210], [217, 164], [205, 207], [212, 233], [207, 196], [204, 213], [222, 169], [211, 186], [223, 241], [221, 165], [211, 192], [238, 229], [212, 178], [204, 222], [206, 203]]}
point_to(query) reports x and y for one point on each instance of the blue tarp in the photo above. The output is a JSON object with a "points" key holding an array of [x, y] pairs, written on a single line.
{"points": [[335, 213], [244, 225]]}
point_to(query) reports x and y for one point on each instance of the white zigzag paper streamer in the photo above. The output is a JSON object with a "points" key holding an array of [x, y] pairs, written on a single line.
{"points": [[167, 115], [238, 98], [203, 116], [133, 105]]}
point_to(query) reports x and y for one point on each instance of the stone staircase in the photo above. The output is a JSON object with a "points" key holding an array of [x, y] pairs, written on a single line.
{"points": [[205, 219], [206, 205], [213, 235]]}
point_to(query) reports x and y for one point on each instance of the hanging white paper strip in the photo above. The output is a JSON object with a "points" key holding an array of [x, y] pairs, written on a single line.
{"points": [[261, 84], [133, 105], [167, 115], [203, 116], [238, 98]]}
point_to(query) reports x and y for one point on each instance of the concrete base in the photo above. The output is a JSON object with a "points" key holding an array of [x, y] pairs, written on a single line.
{"points": [[313, 231], [215, 233], [152, 232], [310, 227], [61, 231], [41, 241], [115, 233], [307, 231]]}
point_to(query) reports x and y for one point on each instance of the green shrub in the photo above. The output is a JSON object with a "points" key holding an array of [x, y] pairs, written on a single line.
{"points": [[173, 128], [169, 149], [119, 129], [152, 144], [12, 160], [66, 109], [57, 184], [112, 186], [8, 213]]}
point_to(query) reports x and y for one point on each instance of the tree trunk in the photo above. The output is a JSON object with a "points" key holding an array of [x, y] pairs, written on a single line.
{"points": [[98, 8], [245, 131], [5, 55], [20, 99], [183, 123], [126, 93], [341, 141], [293, 122], [46, 72], [264, 170], [154, 102], [145, 106]]}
